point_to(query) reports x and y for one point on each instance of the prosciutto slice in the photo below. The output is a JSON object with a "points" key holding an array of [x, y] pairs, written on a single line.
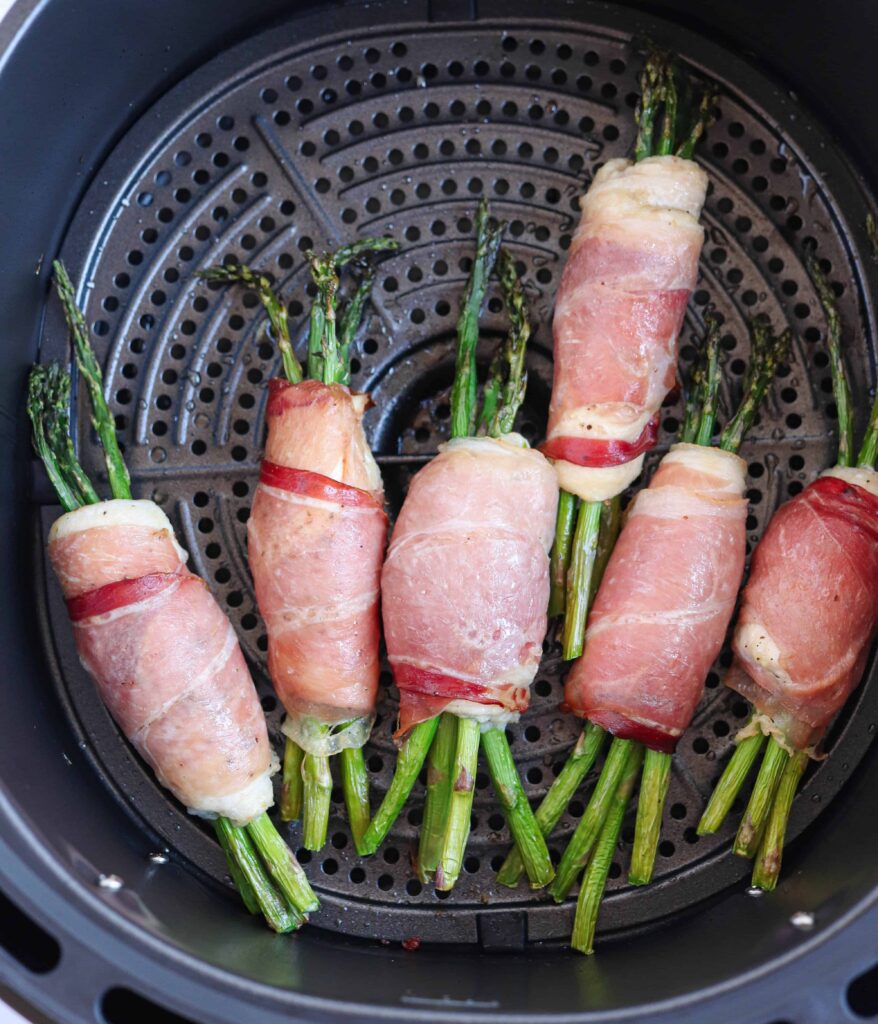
{"points": [[316, 538], [809, 612], [666, 599], [164, 657], [632, 266], [466, 581]]}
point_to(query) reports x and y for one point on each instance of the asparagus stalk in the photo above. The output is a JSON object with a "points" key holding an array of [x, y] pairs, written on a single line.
{"points": [[460, 804], [464, 389], [841, 390], [48, 401], [258, 887], [704, 119], [291, 794], [868, 453], [409, 762], [711, 380], [527, 832], [589, 827], [768, 351], [355, 786], [564, 527], [768, 860], [653, 793], [730, 783], [351, 319], [316, 798], [245, 889], [240, 273], [440, 777], [509, 387], [120, 484], [668, 88], [579, 577], [591, 892], [651, 82], [282, 865], [560, 793], [761, 799]]}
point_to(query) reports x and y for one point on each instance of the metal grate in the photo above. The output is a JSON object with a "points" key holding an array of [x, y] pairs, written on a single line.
{"points": [[322, 141]]}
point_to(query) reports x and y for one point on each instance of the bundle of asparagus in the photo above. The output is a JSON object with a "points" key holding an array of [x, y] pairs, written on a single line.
{"points": [[162, 653], [809, 615], [316, 538], [464, 592]]}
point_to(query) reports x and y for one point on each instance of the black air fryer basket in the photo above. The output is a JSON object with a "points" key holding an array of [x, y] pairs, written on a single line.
{"points": [[145, 141]]}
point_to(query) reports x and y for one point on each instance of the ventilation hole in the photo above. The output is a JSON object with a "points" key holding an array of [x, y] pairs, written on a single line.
{"points": [[413, 887], [666, 848], [21, 937], [385, 882], [329, 866], [357, 875], [268, 702], [678, 811], [700, 745], [391, 855], [121, 1006]]}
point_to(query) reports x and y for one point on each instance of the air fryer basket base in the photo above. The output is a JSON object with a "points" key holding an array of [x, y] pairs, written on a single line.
{"points": [[193, 369]]}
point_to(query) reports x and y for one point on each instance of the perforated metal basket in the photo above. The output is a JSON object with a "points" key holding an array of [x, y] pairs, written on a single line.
{"points": [[397, 121]]}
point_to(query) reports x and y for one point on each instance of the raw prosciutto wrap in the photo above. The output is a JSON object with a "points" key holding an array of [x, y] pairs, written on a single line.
{"points": [[666, 599], [466, 581], [316, 538], [164, 656], [632, 266], [809, 612]]}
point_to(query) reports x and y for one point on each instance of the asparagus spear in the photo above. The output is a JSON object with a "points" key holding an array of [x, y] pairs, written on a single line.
{"points": [[120, 484], [465, 388], [240, 273], [282, 912], [440, 778], [732, 780], [591, 892], [48, 402]]}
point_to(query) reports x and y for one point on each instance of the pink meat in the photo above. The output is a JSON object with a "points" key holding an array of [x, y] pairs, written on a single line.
{"points": [[316, 537], [812, 603], [466, 581], [620, 305], [668, 593], [167, 664]]}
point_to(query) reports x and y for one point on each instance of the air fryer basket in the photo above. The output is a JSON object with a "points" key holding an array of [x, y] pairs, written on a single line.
{"points": [[394, 118]]}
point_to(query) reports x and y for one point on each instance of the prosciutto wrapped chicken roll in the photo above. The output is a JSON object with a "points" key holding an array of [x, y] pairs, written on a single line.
{"points": [[809, 612], [666, 599], [633, 264], [466, 581], [316, 538], [164, 657]]}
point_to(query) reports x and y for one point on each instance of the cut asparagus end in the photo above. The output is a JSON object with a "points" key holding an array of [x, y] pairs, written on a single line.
{"points": [[650, 808], [750, 830], [729, 785], [589, 827], [457, 826], [529, 838]]}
